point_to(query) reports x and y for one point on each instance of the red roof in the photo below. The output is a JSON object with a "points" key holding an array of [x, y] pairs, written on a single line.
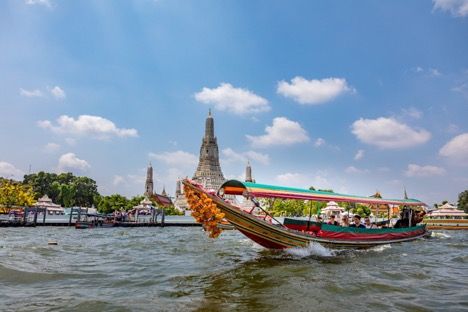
{"points": [[162, 200]]}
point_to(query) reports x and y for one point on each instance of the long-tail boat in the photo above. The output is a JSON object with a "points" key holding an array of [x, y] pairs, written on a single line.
{"points": [[210, 208]]}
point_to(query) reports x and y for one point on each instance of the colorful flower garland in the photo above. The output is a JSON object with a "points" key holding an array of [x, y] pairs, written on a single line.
{"points": [[204, 211]]}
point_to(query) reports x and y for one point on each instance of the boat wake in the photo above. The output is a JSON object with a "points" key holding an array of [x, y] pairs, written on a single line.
{"points": [[380, 248], [440, 235], [314, 249]]}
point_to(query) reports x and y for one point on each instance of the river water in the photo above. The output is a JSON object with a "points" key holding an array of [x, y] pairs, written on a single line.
{"points": [[180, 269]]}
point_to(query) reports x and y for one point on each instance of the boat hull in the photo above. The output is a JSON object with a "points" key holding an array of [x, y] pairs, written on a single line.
{"points": [[277, 236]]}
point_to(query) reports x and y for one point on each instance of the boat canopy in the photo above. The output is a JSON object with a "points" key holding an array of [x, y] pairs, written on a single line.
{"points": [[235, 187]]}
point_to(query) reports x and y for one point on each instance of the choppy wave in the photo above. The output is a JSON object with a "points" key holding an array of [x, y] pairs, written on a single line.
{"points": [[440, 235], [313, 249]]}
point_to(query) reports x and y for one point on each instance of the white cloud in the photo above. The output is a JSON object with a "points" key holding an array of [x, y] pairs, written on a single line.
{"points": [[51, 147], [32, 93], [70, 161], [313, 91], [70, 141], [86, 125], [176, 159], [434, 72], [354, 170], [423, 171], [9, 171], [46, 3], [233, 156], [302, 180], [319, 142], [118, 180], [58, 93], [430, 72], [453, 128], [138, 179], [456, 149], [461, 88], [282, 132], [387, 133], [455, 7], [412, 112], [359, 154], [234, 100]]}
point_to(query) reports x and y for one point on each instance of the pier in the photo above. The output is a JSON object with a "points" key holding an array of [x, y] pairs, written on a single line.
{"points": [[39, 217]]}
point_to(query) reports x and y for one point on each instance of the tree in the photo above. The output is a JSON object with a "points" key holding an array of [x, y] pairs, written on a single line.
{"points": [[67, 195], [172, 211], [362, 210], [108, 204], [14, 193], [135, 201], [289, 208], [463, 201], [60, 187], [41, 184], [85, 191]]}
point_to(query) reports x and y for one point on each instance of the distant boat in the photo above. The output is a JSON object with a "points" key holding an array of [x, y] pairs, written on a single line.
{"points": [[88, 220], [298, 233], [447, 217]]}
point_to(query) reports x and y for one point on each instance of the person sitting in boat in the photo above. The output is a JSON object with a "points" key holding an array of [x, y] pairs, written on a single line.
{"points": [[332, 220], [417, 217], [368, 224], [319, 219], [345, 221], [357, 222]]}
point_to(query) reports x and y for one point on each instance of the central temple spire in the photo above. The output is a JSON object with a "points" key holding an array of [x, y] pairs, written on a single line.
{"points": [[209, 127], [208, 171]]}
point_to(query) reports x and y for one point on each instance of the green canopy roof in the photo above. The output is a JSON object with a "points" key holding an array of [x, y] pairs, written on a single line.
{"points": [[235, 187]]}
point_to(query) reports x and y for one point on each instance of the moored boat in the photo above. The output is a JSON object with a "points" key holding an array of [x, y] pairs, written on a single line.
{"points": [[268, 232], [87, 221]]}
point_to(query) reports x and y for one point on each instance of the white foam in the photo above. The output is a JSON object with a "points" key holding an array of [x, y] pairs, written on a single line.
{"points": [[380, 248], [314, 249], [440, 235]]}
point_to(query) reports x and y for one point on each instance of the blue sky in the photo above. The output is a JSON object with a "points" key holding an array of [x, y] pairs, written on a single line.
{"points": [[356, 98]]}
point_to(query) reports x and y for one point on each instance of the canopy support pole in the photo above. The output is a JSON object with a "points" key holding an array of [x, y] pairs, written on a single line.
{"points": [[310, 216]]}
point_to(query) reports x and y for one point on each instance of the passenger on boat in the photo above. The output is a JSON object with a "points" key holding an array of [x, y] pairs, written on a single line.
{"points": [[319, 219], [345, 221], [368, 224], [357, 222], [406, 215], [418, 217], [332, 220]]}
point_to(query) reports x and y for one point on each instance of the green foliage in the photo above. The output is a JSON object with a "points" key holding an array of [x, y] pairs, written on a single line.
{"points": [[287, 208], [13, 193], [64, 189], [108, 204], [134, 201], [294, 208], [362, 210], [463, 201], [172, 211]]}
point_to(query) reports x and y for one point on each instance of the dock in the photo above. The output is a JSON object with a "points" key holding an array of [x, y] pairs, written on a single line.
{"points": [[66, 220]]}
